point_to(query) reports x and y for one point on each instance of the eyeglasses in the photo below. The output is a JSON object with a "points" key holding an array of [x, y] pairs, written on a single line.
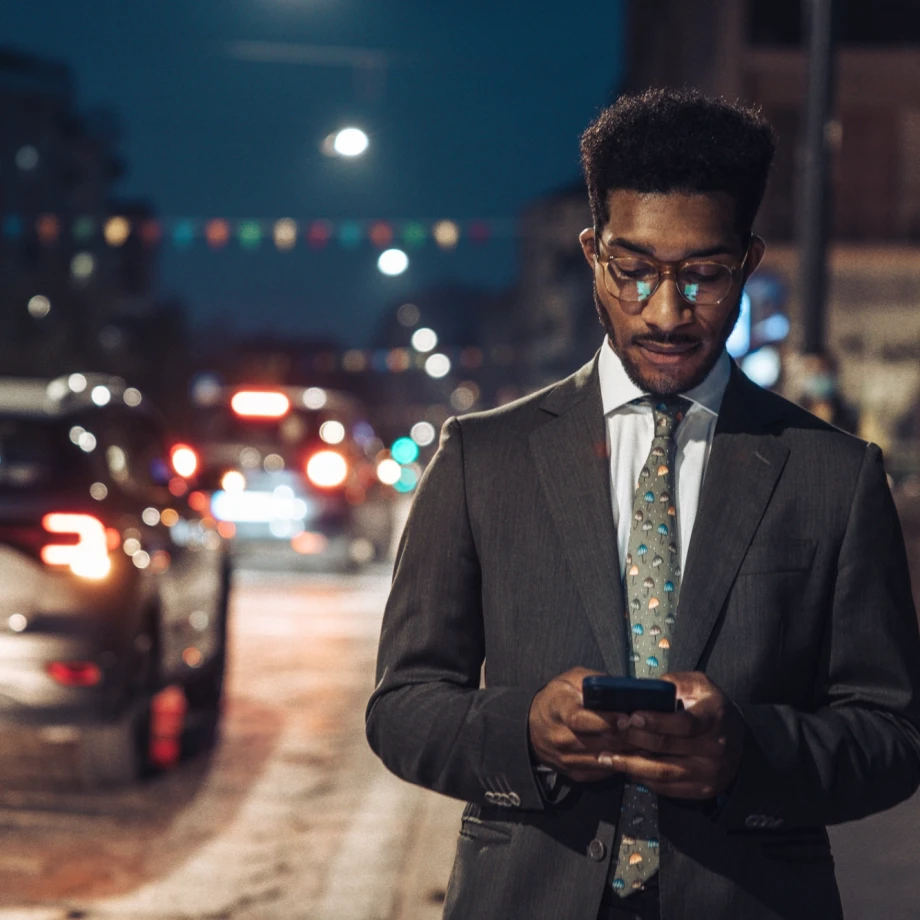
{"points": [[634, 279]]}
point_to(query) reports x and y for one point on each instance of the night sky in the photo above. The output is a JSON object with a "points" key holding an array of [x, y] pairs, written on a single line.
{"points": [[475, 112]]}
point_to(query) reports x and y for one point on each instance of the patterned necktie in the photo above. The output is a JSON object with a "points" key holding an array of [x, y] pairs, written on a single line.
{"points": [[652, 585]]}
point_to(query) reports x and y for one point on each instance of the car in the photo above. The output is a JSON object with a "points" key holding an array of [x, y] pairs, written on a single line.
{"points": [[112, 587], [291, 476]]}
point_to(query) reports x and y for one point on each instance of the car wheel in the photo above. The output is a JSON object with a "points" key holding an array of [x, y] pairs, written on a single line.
{"points": [[117, 753], [205, 689]]}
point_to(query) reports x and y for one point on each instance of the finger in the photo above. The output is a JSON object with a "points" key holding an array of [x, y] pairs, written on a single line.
{"points": [[647, 770], [672, 745], [588, 721], [683, 724]]}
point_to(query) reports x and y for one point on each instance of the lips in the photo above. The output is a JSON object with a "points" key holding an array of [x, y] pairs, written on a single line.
{"points": [[667, 353]]}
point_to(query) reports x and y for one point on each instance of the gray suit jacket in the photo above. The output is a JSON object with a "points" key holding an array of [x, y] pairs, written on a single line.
{"points": [[795, 601]]}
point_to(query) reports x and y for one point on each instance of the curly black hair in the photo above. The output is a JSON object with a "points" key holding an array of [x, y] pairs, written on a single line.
{"points": [[678, 140]]}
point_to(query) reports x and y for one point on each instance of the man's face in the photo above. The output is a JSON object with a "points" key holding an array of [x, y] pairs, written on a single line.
{"points": [[666, 344]]}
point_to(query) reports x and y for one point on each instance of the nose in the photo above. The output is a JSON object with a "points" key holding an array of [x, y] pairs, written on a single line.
{"points": [[666, 310]]}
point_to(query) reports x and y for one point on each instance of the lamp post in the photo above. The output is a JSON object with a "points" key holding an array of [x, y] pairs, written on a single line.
{"points": [[815, 192]]}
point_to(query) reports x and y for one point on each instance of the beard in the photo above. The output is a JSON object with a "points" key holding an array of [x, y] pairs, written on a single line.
{"points": [[663, 382]]}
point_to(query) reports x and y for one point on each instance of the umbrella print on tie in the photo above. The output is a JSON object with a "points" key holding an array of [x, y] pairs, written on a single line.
{"points": [[642, 549], [648, 584], [672, 511], [619, 884], [669, 589], [646, 472], [665, 498], [652, 662], [664, 643], [672, 549], [654, 631], [634, 657], [634, 571], [658, 452], [649, 498], [638, 516], [628, 841], [629, 558], [657, 561], [635, 859], [662, 470], [653, 604], [647, 526], [635, 604], [662, 532], [670, 619], [638, 629]]}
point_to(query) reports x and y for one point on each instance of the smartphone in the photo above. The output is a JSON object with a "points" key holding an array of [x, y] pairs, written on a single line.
{"points": [[628, 694]]}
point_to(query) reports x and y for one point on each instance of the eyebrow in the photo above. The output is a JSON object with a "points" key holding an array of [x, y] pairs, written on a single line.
{"points": [[719, 249]]}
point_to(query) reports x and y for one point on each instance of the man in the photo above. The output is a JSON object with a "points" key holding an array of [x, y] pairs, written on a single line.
{"points": [[655, 514]]}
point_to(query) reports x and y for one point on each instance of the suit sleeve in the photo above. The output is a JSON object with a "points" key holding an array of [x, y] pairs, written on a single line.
{"points": [[428, 719], [859, 751]]}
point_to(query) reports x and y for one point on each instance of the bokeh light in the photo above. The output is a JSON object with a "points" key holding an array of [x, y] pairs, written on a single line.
{"points": [[392, 262], [424, 339], [423, 433], [404, 450], [39, 306], [116, 231], [437, 365], [446, 234], [350, 142]]}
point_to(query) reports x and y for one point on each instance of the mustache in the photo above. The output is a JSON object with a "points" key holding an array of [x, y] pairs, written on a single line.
{"points": [[665, 338]]}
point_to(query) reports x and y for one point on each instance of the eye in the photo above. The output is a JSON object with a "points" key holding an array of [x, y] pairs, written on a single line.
{"points": [[633, 269], [702, 274]]}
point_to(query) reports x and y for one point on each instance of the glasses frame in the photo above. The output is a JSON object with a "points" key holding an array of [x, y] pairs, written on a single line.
{"points": [[666, 269]]}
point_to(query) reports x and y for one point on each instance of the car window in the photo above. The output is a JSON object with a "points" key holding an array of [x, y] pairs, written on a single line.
{"points": [[43, 453]]}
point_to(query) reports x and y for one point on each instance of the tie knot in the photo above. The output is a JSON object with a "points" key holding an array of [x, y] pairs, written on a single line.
{"points": [[668, 412]]}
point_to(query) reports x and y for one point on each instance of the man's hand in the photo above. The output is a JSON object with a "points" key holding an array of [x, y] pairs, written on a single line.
{"points": [[569, 738], [692, 754]]}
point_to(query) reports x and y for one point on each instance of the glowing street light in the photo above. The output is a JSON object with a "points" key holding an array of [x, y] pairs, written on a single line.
{"points": [[348, 142]]}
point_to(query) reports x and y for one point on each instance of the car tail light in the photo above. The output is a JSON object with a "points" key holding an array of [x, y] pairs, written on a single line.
{"points": [[327, 469], [86, 551], [260, 404], [184, 460], [75, 673]]}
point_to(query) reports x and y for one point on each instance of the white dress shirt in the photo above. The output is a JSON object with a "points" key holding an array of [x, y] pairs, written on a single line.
{"points": [[629, 440]]}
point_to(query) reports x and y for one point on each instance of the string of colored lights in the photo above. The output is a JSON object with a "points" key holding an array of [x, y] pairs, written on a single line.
{"points": [[284, 233]]}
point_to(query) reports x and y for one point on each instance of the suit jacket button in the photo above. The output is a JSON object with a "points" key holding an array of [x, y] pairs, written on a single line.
{"points": [[490, 797], [597, 850], [514, 799]]}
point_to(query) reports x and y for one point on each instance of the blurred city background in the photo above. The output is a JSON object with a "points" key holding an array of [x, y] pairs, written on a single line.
{"points": [[253, 253]]}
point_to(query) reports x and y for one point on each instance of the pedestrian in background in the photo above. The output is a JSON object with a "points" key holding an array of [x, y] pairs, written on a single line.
{"points": [[656, 514]]}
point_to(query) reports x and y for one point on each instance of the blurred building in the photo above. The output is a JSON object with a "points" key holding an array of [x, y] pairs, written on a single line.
{"points": [[753, 50], [76, 287]]}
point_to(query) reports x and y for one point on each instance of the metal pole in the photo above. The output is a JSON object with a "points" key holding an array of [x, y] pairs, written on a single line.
{"points": [[815, 193]]}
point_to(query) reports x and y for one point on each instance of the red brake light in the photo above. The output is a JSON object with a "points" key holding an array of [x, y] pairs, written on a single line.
{"points": [[88, 556], [75, 673], [327, 469], [260, 404], [184, 460]]}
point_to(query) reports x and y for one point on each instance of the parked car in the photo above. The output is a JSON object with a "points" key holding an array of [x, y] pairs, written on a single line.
{"points": [[111, 586], [290, 474]]}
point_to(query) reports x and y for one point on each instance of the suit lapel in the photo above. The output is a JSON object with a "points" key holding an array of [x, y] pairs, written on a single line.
{"points": [[570, 452], [744, 465]]}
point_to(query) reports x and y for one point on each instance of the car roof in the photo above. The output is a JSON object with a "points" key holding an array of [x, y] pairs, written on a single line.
{"points": [[39, 397]]}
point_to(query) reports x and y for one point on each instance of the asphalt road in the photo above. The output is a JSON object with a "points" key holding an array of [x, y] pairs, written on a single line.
{"points": [[292, 817]]}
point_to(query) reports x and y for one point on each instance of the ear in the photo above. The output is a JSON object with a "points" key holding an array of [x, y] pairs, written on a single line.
{"points": [[586, 238], [755, 256]]}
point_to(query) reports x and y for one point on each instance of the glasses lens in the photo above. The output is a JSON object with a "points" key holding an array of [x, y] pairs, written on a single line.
{"points": [[705, 282], [631, 280]]}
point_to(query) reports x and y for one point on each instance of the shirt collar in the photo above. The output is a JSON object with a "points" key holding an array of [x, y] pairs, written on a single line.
{"points": [[617, 389]]}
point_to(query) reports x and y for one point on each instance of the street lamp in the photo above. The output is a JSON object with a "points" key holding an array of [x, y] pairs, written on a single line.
{"points": [[348, 142]]}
